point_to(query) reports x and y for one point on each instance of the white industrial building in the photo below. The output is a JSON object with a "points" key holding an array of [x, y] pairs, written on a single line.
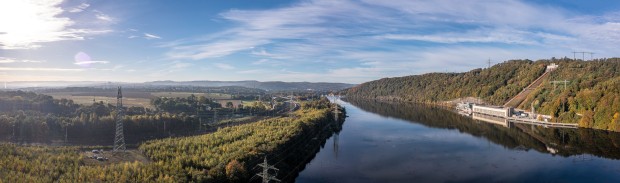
{"points": [[493, 111]]}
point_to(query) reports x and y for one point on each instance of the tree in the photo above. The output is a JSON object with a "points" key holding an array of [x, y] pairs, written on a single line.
{"points": [[587, 119], [229, 105], [235, 171]]}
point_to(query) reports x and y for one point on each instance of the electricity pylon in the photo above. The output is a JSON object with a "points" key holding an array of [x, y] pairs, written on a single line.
{"points": [[119, 138]]}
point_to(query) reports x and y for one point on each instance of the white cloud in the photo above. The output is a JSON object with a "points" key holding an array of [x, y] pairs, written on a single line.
{"points": [[261, 61], [211, 50], [79, 8], [151, 36], [27, 23], [224, 66], [474, 36], [5, 60], [369, 39], [91, 62], [180, 65], [253, 71], [37, 69], [104, 17]]}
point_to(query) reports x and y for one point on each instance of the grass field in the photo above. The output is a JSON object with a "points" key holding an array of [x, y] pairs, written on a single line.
{"points": [[138, 99], [88, 100], [187, 94]]}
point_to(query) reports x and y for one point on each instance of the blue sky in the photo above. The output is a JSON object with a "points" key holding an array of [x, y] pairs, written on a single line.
{"points": [[349, 41]]}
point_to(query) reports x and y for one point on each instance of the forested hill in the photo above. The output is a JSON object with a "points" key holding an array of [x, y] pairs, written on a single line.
{"points": [[591, 98]]}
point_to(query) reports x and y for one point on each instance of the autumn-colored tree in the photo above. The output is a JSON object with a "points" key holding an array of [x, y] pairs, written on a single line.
{"points": [[235, 171], [587, 120]]}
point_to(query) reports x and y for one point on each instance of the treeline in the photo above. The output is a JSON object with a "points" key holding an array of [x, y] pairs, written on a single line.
{"points": [[227, 155], [29, 117], [591, 97]]}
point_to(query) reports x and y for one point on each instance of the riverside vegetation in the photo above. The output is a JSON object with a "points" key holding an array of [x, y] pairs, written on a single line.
{"points": [[227, 155], [591, 98]]}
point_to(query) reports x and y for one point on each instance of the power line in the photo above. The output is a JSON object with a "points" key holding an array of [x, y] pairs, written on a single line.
{"points": [[583, 55]]}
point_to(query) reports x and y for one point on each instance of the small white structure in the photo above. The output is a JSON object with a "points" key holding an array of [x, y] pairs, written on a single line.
{"points": [[552, 67]]}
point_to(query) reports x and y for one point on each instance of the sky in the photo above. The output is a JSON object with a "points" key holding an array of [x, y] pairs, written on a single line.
{"points": [[351, 41]]}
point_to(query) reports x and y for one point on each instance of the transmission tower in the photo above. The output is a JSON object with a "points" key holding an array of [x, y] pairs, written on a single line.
{"points": [[291, 106], [583, 55], [265, 173], [489, 62], [556, 82], [119, 138]]}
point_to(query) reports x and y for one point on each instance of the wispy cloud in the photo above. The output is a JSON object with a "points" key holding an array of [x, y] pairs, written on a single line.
{"points": [[26, 24], [261, 61], [369, 39], [90, 62], [224, 66], [79, 8], [151, 36], [253, 71], [4, 60], [180, 65], [473, 36], [104, 17], [38, 69]]}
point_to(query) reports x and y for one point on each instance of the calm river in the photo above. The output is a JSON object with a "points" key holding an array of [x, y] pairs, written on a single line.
{"points": [[386, 142]]}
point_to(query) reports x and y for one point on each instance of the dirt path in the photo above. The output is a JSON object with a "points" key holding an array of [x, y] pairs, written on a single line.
{"points": [[113, 158]]}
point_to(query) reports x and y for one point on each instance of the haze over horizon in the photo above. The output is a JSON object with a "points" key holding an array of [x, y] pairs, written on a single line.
{"points": [[345, 41]]}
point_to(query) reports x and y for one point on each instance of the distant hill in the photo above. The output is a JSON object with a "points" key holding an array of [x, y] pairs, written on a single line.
{"points": [[591, 98], [268, 85]]}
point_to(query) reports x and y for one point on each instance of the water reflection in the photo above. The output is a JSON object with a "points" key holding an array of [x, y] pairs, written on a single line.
{"points": [[402, 142], [501, 131]]}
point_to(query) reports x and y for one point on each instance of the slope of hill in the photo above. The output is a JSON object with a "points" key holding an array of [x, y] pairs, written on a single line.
{"points": [[591, 97]]}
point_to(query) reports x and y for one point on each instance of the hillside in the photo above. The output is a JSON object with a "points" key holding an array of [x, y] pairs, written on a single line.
{"points": [[591, 97]]}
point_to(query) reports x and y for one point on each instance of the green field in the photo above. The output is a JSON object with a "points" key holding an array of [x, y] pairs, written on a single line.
{"points": [[187, 94], [137, 99]]}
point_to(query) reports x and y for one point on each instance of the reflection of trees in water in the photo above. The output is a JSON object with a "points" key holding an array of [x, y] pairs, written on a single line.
{"points": [[521, 136]]}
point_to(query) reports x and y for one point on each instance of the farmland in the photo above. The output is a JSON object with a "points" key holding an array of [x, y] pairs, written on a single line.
{"points": [[132, 99]]}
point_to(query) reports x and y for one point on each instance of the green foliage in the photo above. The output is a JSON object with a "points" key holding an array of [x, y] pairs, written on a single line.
{"points": [[591, 98], [496, 85], [217, 152], [226, 155], [36, 164]]}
